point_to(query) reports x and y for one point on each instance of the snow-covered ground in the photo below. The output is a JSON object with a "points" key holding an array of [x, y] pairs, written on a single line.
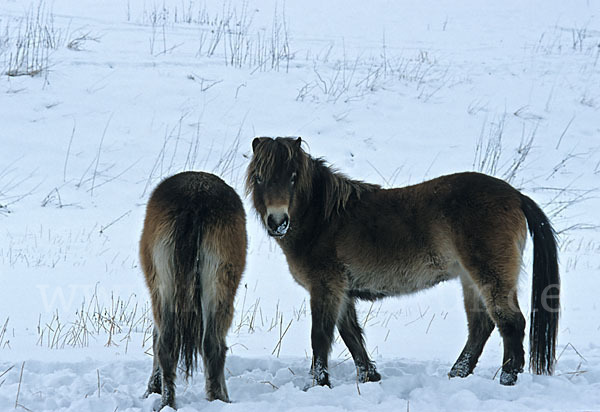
{"points": [[392, 92]]}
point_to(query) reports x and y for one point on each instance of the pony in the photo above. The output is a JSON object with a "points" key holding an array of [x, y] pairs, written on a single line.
{"points": [[345, 240], [193, 253]]}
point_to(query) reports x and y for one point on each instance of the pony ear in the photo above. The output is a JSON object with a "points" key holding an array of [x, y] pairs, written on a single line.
{"points": [[298, 142], [255, 143]]}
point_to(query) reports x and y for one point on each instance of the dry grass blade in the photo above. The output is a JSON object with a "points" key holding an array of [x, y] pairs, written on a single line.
{"points": [[498, 370], [93, 320], [521, 154], [77, 43], [98, 154], [569, 344], [270, 383], [3, 331], [281, 336], [29, 45], [6, 371], [368, 315], [430, 322], [19, 388], [489, 148]]}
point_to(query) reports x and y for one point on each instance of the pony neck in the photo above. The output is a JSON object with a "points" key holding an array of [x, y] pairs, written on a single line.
{"points": [[333, 190]]}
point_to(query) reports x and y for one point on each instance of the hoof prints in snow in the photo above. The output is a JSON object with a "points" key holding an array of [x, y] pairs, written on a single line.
{"points": [[49, 386]]}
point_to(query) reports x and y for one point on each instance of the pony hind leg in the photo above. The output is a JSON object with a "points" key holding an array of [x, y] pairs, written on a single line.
{"points": [[353, 336], [217, 310], [155, 381], [213, 355], [497, 284], [157, 265], [167, 342], [511, 323], [223, 257], [168, 356], [480, 327]]}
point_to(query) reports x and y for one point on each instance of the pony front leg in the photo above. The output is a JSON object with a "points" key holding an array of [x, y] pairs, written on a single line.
{"points": [[325, 304]]}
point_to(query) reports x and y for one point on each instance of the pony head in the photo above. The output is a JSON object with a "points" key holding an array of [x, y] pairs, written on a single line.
{"points": [[276, 176]]}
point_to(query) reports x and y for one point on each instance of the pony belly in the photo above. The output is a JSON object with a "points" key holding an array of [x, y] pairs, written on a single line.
{"points": [[376, 284], [366, 294]]}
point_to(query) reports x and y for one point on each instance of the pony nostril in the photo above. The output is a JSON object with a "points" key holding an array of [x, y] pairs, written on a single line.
{"points": [[278, 225], [271, 222]]}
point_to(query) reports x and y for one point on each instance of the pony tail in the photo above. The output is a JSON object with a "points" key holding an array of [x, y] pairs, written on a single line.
{"points": [[545, 301], [188, 292]]}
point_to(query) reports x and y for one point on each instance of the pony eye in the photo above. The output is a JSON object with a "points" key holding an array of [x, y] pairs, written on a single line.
{"points": [[293, 179], [258, 179]]}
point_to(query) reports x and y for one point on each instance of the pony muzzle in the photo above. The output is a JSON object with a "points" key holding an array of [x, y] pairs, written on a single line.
{"points": [[278, 223]]}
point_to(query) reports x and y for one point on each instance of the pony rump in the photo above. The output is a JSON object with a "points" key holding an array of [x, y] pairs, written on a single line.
{"points": [[193, 253]]}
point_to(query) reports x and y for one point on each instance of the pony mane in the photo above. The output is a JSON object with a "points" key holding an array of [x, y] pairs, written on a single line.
{"points": [[312, 174], [338, 189]]}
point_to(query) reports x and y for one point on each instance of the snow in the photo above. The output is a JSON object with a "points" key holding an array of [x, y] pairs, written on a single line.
{"points": [[392, 93]]}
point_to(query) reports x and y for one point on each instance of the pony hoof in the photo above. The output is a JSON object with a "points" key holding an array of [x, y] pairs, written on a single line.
{"points": [[319, 375], [315, 383], [166, 401], [321, 382], [508, 378], [214, 397], [458, 372], [324, 382], [163, 405], [370, 376], [150, 392], [462, 367], [374, 376]]}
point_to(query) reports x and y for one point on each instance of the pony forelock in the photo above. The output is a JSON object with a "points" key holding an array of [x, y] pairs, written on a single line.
{"points": [[271, 156]]}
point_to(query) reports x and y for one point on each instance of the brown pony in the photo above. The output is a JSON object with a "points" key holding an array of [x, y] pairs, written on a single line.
{"points": [[346, 240], [193, 253]]}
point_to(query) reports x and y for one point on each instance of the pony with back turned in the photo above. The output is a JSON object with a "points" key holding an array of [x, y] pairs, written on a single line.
{"points": [[346, 240], [193, 253]]}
